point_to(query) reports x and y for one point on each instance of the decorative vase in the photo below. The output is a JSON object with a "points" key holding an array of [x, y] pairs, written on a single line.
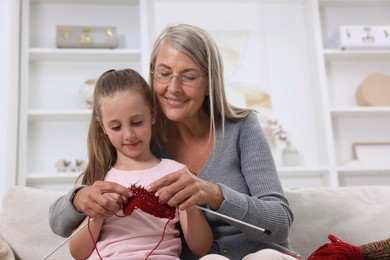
{"points": [[86, 91], [290, 155]]}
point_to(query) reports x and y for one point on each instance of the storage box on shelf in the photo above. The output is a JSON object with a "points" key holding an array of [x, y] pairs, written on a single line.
{"points": [[53, 115], [343, 71]]}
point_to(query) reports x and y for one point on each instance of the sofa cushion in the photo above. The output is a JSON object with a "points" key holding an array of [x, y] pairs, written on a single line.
{"points": [[356, 215], [27, 229]]}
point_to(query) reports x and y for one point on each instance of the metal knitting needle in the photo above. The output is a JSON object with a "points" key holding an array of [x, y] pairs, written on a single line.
{"points": [[266, 231], [66, 240]]}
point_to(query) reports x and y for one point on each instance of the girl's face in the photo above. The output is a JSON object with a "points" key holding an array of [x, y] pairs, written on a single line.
{"points": [[178, 101], [127, 120]]}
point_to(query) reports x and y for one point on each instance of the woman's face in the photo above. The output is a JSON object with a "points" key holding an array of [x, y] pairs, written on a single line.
{"points": [[180, 102]]}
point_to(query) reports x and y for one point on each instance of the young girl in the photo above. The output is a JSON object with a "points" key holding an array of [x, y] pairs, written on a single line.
{"points": [[119, 139]]}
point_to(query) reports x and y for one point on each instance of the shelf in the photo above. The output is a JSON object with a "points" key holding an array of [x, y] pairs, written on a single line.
{"points": [[359, 111], [52, 178], [283, 172], [363, 171], [119, 2], [354, 2], [356, 55], [60, 115], [84, 54], [302, 171]]}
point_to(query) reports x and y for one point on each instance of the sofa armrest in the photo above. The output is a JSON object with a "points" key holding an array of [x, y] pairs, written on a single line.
{"points": [[25, 223]]}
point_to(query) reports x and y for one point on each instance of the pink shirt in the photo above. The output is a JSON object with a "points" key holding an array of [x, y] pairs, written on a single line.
{"points": [[135, 236]]}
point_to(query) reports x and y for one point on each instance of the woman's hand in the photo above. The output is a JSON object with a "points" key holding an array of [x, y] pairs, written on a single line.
{"points": [[102, 199], [183, 189]]}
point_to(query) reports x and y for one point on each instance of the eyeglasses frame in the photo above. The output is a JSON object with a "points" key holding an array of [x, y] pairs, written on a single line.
{"points": [[178, 76]]}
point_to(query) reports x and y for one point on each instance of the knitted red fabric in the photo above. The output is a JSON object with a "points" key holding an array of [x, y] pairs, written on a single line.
{"points": [[147, 202], [337, 250]]}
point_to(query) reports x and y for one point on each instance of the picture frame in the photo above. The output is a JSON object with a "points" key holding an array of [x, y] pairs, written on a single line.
{"points": [[372, 154]]}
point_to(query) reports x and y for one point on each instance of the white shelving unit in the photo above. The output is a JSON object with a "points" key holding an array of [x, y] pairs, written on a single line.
{"points": [[311, 82], [53, 117], [341, 72]]}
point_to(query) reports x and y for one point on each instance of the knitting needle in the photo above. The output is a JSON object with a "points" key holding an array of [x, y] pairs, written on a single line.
{"points": [[266, 231], [66, 240]]}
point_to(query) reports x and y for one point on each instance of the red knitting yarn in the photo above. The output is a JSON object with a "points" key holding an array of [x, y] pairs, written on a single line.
{"points": [[147, 202], [337, 250]]}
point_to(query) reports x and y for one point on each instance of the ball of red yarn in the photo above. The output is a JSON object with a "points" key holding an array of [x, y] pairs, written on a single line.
{"points": [[337, 250]]}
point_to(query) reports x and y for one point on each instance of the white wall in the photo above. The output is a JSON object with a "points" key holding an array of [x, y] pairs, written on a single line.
{"points": [[9, 49]]}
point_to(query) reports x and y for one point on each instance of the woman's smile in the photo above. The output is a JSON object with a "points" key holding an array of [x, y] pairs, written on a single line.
{"points": [[175, 102]]}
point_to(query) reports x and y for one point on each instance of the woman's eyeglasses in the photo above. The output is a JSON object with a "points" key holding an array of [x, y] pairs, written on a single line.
{"points": [[186, 78]]}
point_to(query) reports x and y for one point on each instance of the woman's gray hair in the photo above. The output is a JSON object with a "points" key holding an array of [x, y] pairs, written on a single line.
{"points": [[197, 44]]}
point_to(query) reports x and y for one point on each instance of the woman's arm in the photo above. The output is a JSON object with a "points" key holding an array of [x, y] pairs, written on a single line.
{"points": [[63, 217], [81, 245], [196, 231], [68, 211], [252, 193]]}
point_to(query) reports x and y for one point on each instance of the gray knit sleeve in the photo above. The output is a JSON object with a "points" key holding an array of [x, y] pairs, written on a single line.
{"points": [[255, 194], [63, 217]]}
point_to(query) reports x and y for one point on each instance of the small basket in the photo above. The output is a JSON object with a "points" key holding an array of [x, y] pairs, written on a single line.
{"points": [[378, 250]]}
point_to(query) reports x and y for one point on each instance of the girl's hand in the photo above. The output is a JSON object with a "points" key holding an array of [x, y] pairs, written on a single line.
{"points": [[102, 199], [183, 189]]}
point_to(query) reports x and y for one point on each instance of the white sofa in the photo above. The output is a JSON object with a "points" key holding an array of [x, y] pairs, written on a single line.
{"points": [[357, 215]]}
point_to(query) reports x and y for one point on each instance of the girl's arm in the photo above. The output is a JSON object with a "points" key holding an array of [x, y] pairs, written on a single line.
{"points": [[196, 231], [81, 245]]}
